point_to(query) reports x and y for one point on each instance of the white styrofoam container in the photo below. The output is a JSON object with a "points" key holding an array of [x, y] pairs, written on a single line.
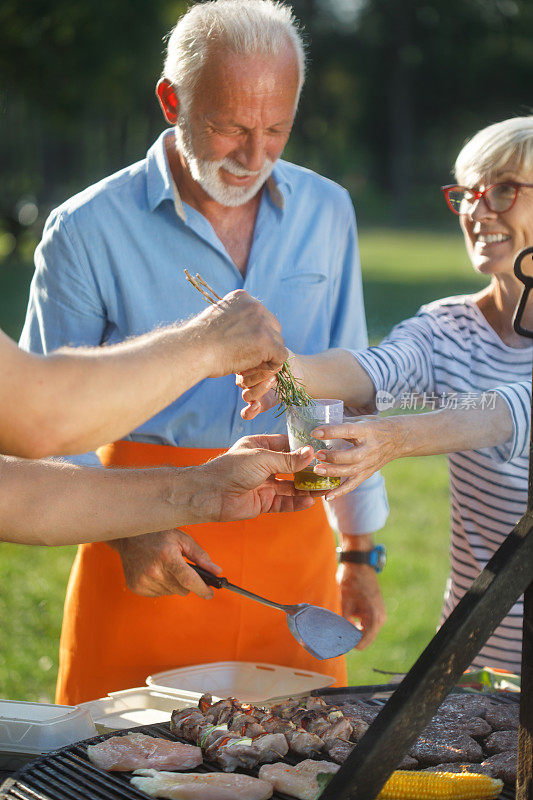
{"points": [[247, 681], [29, 729], [144, 705]]}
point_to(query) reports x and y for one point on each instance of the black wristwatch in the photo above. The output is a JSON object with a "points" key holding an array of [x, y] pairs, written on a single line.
{"points": [[377, 557]]}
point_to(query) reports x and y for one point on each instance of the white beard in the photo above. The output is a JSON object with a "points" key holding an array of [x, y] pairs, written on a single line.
{"points": [[207, 173]]}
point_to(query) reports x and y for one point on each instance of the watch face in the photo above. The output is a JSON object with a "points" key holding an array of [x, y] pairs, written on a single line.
{"points": [[380, 555]]}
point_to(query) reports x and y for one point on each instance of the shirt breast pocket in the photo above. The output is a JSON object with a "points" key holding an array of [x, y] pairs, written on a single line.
{"points": [[303, 307], [304, 275]]}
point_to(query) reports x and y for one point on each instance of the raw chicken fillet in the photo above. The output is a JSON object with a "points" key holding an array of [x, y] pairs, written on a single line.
{"points": [[137, 751], [299, 781], [201, 786]]}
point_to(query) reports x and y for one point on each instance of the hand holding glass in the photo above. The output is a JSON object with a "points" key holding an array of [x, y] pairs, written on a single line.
{"points": [[301, 420]]}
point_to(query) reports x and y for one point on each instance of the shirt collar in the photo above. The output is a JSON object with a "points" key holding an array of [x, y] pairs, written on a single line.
{"points": [[160, 184], [276, 195]]}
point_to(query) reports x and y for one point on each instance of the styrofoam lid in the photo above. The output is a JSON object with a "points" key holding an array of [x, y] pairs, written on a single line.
{"points": [[38, 727], [249, 682], [32, 712], [143, 705]]}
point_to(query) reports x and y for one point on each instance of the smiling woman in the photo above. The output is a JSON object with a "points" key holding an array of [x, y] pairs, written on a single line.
{"points": [[462, 356], [497, 222], [496, 212]]}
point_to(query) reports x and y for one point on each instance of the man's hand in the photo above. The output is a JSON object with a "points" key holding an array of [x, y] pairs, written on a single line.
{"points": [[239, 334], [242, 483], [237, 485], [361, 599], [154, 564]]}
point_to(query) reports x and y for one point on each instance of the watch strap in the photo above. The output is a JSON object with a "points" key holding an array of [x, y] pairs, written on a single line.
{"points": [[375, 558], [355, 556]]}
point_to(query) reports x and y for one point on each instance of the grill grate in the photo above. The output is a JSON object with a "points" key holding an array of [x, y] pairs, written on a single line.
{"points": [[67, 774]]}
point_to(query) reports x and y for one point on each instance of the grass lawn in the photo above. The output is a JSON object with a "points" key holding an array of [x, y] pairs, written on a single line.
{"points": [[416, 537], [401, 271]]}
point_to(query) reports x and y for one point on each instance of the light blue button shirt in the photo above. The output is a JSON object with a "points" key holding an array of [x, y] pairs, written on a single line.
{"points": [[110, 266]]}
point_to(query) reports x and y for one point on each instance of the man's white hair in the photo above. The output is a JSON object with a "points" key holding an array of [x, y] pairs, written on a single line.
{"points": [[504, 145], [243, 27]]}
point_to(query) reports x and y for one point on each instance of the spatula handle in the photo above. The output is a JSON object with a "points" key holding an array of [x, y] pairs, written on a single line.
{"points": [[223, 583], [208, 577]]}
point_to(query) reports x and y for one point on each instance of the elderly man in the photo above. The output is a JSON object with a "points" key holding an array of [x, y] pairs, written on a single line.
{"points": [[211, 196]]}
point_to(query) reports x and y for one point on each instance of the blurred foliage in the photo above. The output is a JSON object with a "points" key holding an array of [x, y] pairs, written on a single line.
{"points": [[394, 88], [77, 93]]}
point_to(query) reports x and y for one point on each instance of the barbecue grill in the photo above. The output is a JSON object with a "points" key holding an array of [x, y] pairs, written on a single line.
{"points": [[67, 775]]}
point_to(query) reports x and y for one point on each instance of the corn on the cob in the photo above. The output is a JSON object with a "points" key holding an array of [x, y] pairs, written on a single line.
{"points": [[409, 785]]}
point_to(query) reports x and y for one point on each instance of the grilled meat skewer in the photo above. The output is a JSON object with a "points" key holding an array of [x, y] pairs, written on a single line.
{"points": [[228, 748]]}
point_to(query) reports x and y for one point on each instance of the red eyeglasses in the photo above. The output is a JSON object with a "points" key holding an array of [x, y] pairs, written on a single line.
{"points": [[499, 198]]}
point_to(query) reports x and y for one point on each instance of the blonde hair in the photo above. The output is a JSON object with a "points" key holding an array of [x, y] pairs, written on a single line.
{"points": [[507, 144], [244, 27]]}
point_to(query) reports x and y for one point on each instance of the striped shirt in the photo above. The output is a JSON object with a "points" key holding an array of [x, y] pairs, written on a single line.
{"points": [[442, 356]]}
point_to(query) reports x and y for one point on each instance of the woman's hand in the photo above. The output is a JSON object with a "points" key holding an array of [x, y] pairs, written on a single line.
{"points": [[375, 441], [333, 373], [257, 392], [258, 387]]}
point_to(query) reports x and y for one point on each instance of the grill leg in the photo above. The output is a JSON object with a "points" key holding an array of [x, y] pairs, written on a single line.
{"points": [[524, 780], [524, 776]]}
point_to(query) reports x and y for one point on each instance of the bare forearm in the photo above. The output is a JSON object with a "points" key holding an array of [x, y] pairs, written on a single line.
{"points": [[336, 373], [76, 400], [129, 383], [363, 541], [52, 503], [453, 430]]}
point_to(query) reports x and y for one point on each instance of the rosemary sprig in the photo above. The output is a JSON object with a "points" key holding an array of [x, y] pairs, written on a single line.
{"points": [[289, 390]]}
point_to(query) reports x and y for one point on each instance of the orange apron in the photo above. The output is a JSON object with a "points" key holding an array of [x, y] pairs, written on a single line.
{"points": [[113, 639]]}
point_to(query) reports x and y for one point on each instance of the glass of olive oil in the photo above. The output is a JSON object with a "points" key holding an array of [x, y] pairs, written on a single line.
{"points": [[301, 420]]}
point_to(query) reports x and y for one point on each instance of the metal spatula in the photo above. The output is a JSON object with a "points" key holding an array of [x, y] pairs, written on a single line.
{"points": [[322, 633]]}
